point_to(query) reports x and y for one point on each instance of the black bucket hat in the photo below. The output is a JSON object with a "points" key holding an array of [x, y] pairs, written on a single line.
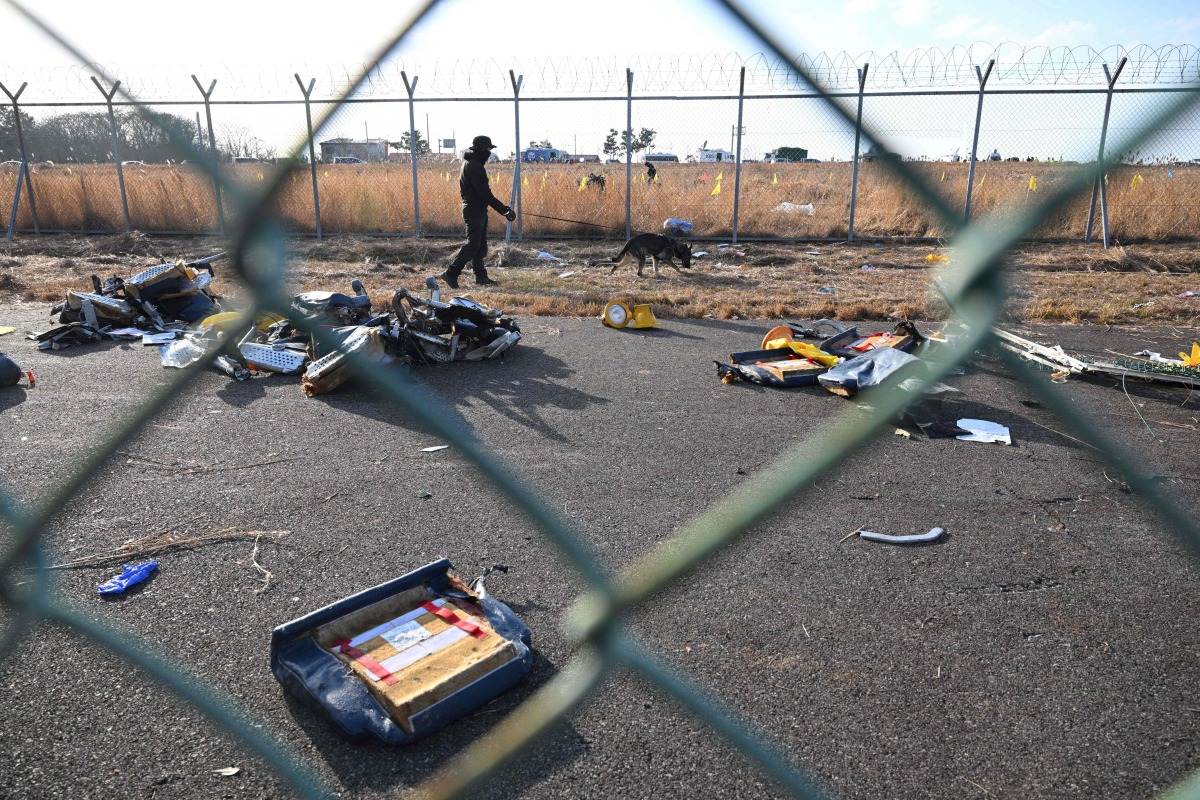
{"points": [[482, 143]]}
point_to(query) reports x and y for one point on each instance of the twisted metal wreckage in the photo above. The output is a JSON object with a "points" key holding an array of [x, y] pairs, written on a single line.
{"points": [[173, 305], [846, 363]]}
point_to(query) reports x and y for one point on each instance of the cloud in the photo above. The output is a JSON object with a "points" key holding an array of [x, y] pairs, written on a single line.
{"points": [[965, 29], [859, 8], [1067, 33], [911, 13], [1180, 25]]}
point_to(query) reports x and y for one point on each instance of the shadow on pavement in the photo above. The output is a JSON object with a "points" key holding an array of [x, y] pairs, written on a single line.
{"points": [[518, 388], [372, 766]]}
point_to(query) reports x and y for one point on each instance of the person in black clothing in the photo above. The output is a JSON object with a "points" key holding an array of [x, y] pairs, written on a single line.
{"points": [[476, 197], [650, 172]]}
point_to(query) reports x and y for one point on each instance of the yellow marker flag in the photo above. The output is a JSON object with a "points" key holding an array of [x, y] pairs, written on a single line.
{"points": [[543, 180], [774, 178], [583, 183], [446, 176], [1032, 183], [524, 180], [981, 180], [326, 173], [1192, 361], [716, 189], [1137, 181], [719, 176], [943, 175], [260, 177]]}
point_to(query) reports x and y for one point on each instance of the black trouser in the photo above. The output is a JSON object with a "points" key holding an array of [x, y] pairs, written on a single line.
{"points": [[475, 248]]}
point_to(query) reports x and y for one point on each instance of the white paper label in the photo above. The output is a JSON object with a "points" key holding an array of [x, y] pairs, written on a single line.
{"points": [[379, 630], [412, 655], [406, 635]]}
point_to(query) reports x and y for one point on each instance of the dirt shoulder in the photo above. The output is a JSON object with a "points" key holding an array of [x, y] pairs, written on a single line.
{"points": [[753, 280]]}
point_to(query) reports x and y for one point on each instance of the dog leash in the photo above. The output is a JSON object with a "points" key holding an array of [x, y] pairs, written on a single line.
{"points": [[578, 222], [575, 221]]}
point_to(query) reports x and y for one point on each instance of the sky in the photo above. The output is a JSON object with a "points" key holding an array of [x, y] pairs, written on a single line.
{"points": [[350, 31], [276, 39]]}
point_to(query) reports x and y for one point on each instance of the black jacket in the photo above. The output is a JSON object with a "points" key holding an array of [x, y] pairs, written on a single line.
{"points": [[473, 184]]}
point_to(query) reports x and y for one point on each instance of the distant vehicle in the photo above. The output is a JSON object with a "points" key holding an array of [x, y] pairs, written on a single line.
{"points": [[787, 155], [546, 155], [809, 161], [244, 160], [612, 161], [714, 155], [348, 160], [133, 163], [661, 158]]}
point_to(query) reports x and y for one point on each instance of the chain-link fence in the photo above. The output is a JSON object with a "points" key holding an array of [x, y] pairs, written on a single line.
{"points": [[103, 164], [265, 202]]}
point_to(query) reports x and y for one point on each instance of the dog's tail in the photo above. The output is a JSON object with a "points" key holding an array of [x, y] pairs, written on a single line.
{"points": [[599, 261]]}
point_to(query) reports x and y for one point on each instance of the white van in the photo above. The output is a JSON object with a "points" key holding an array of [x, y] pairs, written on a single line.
{"points": [[714, 155]]}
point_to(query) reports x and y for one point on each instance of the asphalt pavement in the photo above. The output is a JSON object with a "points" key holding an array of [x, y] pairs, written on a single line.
{"points": [[1045, 647]]}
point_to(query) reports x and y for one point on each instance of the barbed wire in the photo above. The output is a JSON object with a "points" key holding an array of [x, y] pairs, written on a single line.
{"points": [[712, 73]]}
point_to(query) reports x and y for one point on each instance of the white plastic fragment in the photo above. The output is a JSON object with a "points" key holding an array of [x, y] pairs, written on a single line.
{"points": [[983, 431], [435, 448], [916, 538], [181, 353]]}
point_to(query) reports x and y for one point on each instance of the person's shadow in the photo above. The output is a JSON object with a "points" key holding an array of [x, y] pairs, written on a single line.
{"points": [[518, 387]]}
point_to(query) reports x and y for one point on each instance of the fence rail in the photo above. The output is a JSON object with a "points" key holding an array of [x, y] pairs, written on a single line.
{"points": [[258, 203]]}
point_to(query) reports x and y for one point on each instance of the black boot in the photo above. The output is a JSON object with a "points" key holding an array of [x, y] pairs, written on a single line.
{"points": [[450, 280]]}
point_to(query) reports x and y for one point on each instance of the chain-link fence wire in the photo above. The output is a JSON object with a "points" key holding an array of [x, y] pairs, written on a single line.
{"points": [[1149, 191], [974, 290], [582, 199], [73, 157]]}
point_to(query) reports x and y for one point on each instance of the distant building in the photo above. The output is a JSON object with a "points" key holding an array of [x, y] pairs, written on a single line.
{"points": [[588, 159], [365, 150]]}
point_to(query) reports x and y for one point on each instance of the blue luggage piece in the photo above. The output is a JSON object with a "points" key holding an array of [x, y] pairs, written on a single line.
{"points": [[402, 659]]}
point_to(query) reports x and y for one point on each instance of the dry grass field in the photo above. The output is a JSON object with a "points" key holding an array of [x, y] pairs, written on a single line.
{"points": [[1146, 203], [1067, 283], [1157, 208]]}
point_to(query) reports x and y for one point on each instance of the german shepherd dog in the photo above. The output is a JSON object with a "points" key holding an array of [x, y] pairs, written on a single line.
{"points": [[658, 248]]}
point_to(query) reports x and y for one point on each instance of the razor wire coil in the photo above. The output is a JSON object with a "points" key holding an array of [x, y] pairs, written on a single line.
{"points": [[929, 68]]}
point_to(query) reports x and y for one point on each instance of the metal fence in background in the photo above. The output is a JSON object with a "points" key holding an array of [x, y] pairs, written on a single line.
{"points": [[105, 164], [975, 292]]}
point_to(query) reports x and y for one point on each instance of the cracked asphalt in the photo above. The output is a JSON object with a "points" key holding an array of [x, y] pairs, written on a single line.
{"points": [[1046, 647]]}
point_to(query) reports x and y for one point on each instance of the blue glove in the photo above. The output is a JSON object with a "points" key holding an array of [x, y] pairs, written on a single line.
{"points": [[131, 576]]}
